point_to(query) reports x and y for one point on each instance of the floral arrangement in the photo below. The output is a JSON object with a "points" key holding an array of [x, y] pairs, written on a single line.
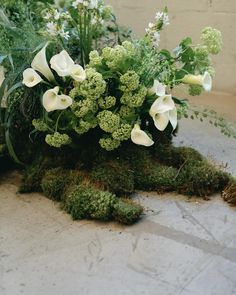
{"points": [[123, 90], [99, 109]]}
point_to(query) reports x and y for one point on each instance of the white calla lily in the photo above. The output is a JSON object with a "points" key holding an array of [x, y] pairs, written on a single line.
{"points": [[63, 102], [50, 99], [163, 111], [31, 78], [161, 105], [158, 88], [204, 80], [139, 137], [78, 73], [62, 63], [40, 64]]}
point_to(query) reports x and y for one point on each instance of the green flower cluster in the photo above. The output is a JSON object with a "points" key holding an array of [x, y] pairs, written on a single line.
{"points": [[108, 121], [212, 39], [109, 143], [57, 139], [134, 99], [93, 87], [126, 112], [123, 133], [115, 58], [85, 126], [95, 59], [83, 107], [129, 81], [195, 90], [107, 102], [39, 125]]}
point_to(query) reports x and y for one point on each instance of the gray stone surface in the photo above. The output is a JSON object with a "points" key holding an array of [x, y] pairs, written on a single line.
{"points": [[181, 246]]}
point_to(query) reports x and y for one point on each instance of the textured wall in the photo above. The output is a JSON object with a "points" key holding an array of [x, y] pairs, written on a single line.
{"points": [[188, 17]]}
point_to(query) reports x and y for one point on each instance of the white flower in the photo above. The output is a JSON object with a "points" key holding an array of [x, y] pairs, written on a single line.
{"points": [[163, 111], [52, 29], [40, 64], [78, 73], [162, 16], [62, 63], [158, 88], [76, 3], [204, 80], [139, 137], [63, 102], [52, 101], [64, 34], [31, 78], [57, 14], [93, 4], [47, 16], [156, 39], [2, 75]]}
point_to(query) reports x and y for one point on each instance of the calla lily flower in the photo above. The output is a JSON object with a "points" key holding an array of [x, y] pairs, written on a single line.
{"points": [[139, 137], [31, 78], [161, 105], [63, 102], [78, 73], [204, 80], [163, 111], [50, 99], [62, 63], [158, 88], [40, 64]]}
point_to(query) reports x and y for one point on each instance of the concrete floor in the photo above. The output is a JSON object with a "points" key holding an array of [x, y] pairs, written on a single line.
{"points": [[180, 247]]}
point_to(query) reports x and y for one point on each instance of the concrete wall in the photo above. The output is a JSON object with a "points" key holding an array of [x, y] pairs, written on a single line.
{"points": [[188, 17]]}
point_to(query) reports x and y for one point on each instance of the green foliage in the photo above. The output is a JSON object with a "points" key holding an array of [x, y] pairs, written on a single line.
{"points": [[115, 175], [86, 202], [229, 193], [126, 211], [53, 183], [201, 179]]}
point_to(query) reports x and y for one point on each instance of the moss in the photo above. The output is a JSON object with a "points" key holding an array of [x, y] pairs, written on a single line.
{"points": [[86, 202], [54, 182], [229, 193], [115, 175], [201, 179], [176, 156], [126, 211], [158, 177]]}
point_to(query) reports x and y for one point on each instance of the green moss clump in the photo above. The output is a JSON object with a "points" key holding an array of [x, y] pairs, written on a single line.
{"points": [[126, 211], [54, 182], [159, 177], [229, 193], [177, 156], [201, 179], [115, 175], [86, 202]]}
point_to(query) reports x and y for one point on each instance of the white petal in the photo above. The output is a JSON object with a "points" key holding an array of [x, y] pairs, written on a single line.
{"points": [[50, 99], [62, 63], [207, 82], [161, 105], [31, 78], [63, 102], [139, 137], [78, 73], [173, 118], [161, 120], [158, 88], [40, 64]]}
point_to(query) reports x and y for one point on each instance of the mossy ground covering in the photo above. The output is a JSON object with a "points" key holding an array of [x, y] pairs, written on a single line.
{"points": [[103, 188]]}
